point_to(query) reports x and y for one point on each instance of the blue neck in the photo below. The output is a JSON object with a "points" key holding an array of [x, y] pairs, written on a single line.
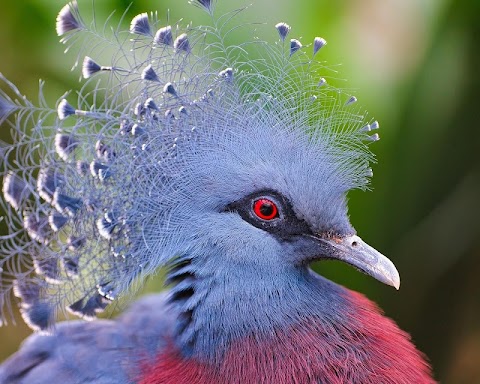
{"points": [[231, 303]]}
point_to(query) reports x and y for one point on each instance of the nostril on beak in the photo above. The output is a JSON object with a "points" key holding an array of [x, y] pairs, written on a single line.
{"points": [[354, 241]]}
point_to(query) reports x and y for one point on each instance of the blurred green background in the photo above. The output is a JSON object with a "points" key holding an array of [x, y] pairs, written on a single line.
{"points": [[414, 66]]}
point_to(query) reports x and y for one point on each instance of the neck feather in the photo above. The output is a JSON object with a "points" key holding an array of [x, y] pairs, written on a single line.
{"points": [[360, 346], [215, 310]]}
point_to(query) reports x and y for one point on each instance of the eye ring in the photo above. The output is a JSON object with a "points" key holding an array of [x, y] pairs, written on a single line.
{"points": [[265, 209]]}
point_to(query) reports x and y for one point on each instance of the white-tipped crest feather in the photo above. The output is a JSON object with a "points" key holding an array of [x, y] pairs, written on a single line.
{"points": [[97, 190]]}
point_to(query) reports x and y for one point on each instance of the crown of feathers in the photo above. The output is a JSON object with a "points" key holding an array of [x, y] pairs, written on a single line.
{"points": [[90, 187]]}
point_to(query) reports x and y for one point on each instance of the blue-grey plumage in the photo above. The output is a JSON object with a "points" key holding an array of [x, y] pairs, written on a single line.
{"points": [[93, 352], [229, 170]]}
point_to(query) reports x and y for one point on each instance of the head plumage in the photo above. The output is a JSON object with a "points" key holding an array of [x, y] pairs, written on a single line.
{"points": [[92, 188]]}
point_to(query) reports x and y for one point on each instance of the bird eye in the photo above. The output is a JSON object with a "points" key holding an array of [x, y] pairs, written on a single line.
{"points": [[265, 209]]}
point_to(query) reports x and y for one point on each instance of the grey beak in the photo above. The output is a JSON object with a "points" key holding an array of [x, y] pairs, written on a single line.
{"points": [[354, 251]]}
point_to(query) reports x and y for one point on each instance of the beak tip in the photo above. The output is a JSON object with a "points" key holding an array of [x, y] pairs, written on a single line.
{"points": [[397, 285], [395, 279]]}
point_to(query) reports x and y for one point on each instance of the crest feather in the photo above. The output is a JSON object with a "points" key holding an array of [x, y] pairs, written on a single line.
{"points": [[91, 191]]}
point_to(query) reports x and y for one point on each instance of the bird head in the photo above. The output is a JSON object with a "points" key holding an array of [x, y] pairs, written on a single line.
{"points": [[274, 196], [184, 153]]}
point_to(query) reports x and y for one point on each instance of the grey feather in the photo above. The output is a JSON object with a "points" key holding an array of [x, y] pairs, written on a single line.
{"points": [[140, 170], [93, 352]]}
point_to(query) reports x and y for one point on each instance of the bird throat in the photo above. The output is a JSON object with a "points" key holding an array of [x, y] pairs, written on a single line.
{"points": [[216, 311], [360, 346]]}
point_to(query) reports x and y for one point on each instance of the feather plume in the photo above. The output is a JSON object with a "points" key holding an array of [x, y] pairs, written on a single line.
{"points": [[101, 191]]}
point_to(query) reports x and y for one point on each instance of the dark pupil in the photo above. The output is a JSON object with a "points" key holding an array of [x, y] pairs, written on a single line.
{"points": [[266, 209]]}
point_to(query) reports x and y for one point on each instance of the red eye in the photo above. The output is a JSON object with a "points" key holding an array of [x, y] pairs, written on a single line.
{"points": [[265, 209]]}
